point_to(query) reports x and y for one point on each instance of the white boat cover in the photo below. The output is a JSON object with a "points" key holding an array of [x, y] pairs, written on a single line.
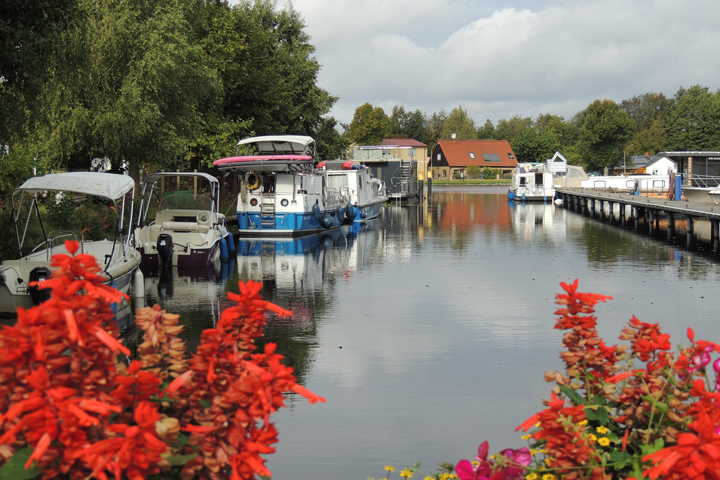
{"points": [[301, 139], [108, 185]]}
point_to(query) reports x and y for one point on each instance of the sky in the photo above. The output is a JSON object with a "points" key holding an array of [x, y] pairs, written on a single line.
{"points": [[500, 58]]}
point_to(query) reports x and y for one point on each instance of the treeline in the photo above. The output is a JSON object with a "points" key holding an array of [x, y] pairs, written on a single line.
{"points": [[597, 137], [171, 84]]}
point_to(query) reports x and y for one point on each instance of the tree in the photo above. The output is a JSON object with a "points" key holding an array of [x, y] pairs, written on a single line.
{"points": [[605, 130], [646, 109], [508, 129], [434, 125], [473, 171], [330, 143], [487, 131], [693, 120], [398, 121], [651, 140], [531, 146], [269, 73], [129, 84], [459, 123], [566, 133], [370, 125]]}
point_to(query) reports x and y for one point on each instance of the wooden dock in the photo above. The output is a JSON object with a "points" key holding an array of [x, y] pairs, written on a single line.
{"points": [[649, 209]]}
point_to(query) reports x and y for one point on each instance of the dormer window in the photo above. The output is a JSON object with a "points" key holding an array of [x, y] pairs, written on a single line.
{"points": [[511, 156], [472, 155]]}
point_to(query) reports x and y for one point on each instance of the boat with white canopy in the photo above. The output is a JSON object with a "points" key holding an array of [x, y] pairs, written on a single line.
{"points": [[117, 258]]}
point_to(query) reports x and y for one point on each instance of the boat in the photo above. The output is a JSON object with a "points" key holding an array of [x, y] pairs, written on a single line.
{"points": [[532, 182], [117, 258], [367, 194], [187, 229], [281, 191]]}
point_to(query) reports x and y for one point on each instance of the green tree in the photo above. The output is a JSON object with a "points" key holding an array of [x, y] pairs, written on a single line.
{"points": [[532, 146], [487, 131], [646, 109], [651, 140], [566, 133], [693, 120], [509, 129], [398, 122], [473, 171], [370, 125], [605, 131], [434, 124], [330, 143], [129, 83], [459, 123]]}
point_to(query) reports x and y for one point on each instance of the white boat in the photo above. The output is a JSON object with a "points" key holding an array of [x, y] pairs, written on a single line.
{"points": [[187, 229], [118, 258], [367, 194], [281, 192], [532, 182]]}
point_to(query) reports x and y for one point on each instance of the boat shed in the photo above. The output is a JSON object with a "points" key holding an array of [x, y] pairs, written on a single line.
{"points": [[451, 156]]}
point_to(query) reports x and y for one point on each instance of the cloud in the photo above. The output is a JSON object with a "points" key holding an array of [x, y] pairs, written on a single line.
{"points": [[505, 58]]}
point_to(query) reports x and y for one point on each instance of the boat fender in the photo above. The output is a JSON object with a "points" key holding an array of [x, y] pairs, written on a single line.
{"points": [[510, 195], [231, 243], [165, 248], [321, 165], [326, 242], [326, 221], [253, 181], [347, 165], [317, 214], [139, 290], [523, 197], [351, 212], [223, 250], [341, 212], [39, 295], [544, 199]]}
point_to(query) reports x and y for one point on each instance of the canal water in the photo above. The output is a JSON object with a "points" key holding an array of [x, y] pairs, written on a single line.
{"points": [[429, 329]]}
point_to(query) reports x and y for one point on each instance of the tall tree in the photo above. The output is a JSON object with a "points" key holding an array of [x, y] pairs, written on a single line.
{"points": [[605, 131], [398, 121], [434, 124], [487, 131], [459, 123], [370, 125], [646, 109], [533, 146], [693, 120], [508, 129]]}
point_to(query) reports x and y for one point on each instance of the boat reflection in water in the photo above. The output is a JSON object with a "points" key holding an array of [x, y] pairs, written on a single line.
{"points": [[301, 275], [197, 288]]}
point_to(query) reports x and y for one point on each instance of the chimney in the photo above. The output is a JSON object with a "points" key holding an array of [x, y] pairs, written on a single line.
{"points": [[647, 154]]}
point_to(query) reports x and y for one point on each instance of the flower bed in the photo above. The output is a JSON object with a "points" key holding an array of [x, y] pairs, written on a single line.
{"points": [[70, 409], [616, 412]]}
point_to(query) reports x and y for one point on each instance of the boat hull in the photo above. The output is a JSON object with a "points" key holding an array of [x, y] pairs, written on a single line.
{"points": [[195, 256], [283, 224]]}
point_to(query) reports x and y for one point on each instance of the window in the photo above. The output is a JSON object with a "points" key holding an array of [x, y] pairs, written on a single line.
{"points": [[491, 157], [413, 152], [438, 156], [511, 156], [472, 155]]}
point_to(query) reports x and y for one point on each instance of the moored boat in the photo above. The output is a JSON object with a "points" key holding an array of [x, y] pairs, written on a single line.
{"points": [[117, 258], [367, 194], [281, 192], [187, 229], [532, 182]]}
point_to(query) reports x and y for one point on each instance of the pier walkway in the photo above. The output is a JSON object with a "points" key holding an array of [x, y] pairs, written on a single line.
{"points": [[649, 209]]}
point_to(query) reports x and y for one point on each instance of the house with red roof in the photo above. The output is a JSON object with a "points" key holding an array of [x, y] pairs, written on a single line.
{"points": [[454, 156]]}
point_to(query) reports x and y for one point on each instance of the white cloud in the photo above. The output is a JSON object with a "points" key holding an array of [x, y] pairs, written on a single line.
{"points": [[498, 59]]}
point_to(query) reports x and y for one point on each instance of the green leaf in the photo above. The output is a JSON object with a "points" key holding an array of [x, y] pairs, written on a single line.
{"points": [[659, 406], [180, 459], [572, 395], [602, 416], [15, 468], [618, 456], [183, 439], [206, 403]]}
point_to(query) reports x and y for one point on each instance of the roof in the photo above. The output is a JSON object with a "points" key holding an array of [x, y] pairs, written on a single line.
{"points": [[458, 153], [154, 177], [403, 142], [108, 185], [301, 139], [643, 161]]}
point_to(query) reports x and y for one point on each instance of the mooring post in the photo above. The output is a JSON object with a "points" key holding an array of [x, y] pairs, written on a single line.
{"points": [[622, 214], [690, 231], [671, 224], [651, 220]]}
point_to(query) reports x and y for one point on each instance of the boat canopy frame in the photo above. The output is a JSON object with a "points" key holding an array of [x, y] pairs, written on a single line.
{"points": [[106, 185], [153, 178]]}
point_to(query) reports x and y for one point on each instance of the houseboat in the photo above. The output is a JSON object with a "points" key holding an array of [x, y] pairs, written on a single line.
{"points": [[532, 182], [366, 193], [281, 191]]}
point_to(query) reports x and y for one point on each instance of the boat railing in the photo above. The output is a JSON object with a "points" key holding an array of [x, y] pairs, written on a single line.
{"points": [[53, 237], [702, 181]]}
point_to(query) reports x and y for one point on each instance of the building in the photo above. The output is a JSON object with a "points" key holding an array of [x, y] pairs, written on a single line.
{"points": [[658, 165], [454, 156]]}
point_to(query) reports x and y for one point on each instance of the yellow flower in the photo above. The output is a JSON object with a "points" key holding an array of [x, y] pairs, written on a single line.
{"points": [[592, 437], [537, 425], [525, 437], [604, 441], [533, 451], [532, 476], [542, 451], [602, 430], [584, 422], [547, 461], [428, 478], [492, 457], [548, 476], [406, 473], [389, 468]]}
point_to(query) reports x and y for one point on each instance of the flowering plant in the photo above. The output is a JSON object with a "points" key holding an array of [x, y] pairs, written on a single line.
{"points": [[69, 409], [617, 412]]}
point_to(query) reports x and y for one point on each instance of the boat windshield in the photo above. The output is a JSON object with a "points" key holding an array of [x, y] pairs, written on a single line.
{"points": [[185, 201]]}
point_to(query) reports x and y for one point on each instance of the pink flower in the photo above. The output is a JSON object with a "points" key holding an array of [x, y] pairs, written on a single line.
{"points": [[466, 471], [515, 462]]}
